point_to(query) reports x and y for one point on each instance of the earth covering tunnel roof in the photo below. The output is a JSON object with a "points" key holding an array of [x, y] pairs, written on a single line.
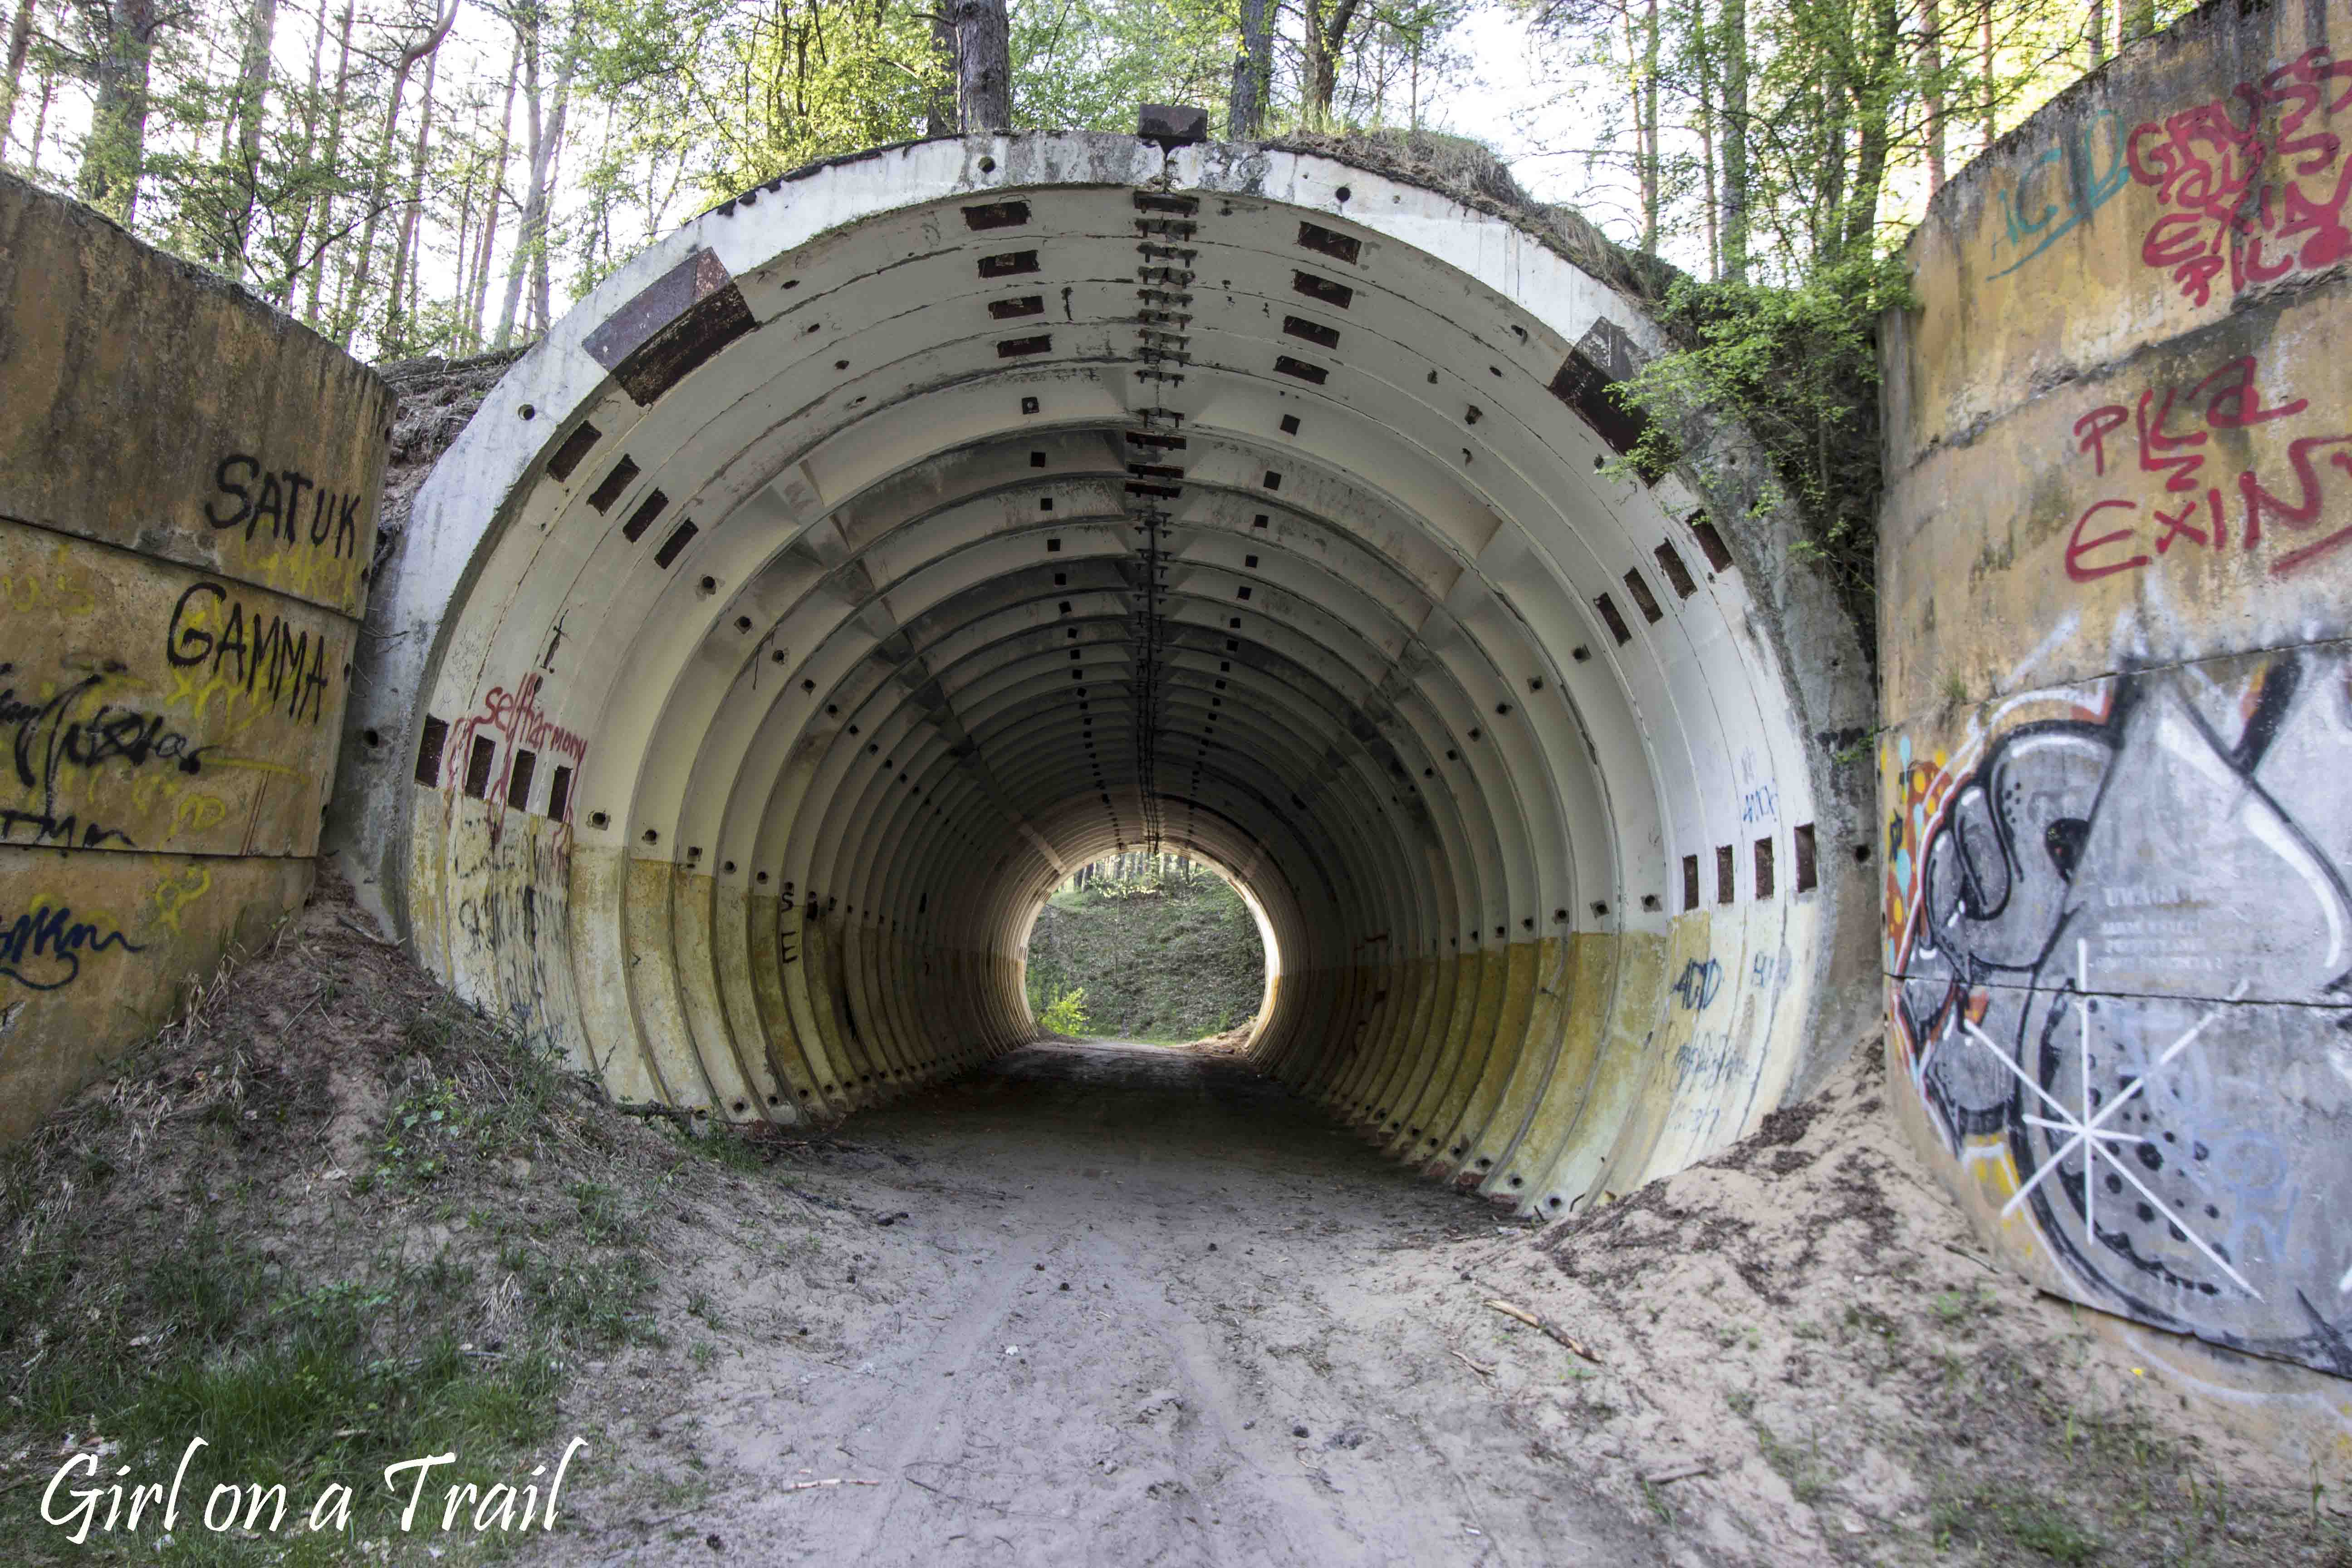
{"points": [[903, 534]]}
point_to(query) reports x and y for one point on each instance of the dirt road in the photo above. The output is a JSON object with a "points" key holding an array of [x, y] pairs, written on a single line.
{"points": [[1123, 1320]]}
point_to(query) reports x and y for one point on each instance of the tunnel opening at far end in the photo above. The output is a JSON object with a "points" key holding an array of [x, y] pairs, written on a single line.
{"points": [[1153, 947], [843, 573]]}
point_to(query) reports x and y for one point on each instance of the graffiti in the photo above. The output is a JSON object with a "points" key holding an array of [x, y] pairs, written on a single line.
{"points": [[42, 949], [2061, 190], [175, 894], [269, 657], [1698, 982], [71, 728], [64, 590], [2119, 930], [251, 497], [1761, 803], [2171, 431], [2254, 191], [67, 831], [518, 719]]}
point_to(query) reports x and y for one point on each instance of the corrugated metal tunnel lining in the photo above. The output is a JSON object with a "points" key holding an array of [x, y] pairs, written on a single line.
{"points": [[904, 534]]}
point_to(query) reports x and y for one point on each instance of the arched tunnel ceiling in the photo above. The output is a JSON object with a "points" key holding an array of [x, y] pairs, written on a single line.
{"points": [[904, 534]]}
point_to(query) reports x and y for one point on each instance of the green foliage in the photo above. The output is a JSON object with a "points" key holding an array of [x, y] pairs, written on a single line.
{"points": [[1158, 949], [1997, 1516], [1065, 1011], [1085, 65], [746, 93], [1799, 368]]}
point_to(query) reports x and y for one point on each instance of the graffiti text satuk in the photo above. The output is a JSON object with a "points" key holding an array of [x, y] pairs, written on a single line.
{"points": [[271, 501]]}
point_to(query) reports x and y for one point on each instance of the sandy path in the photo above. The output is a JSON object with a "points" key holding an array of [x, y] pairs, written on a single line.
{"points": [[1122, 1325]]}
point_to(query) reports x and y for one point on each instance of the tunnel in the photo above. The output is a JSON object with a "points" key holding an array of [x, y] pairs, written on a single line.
{"points": [[906, 532]]}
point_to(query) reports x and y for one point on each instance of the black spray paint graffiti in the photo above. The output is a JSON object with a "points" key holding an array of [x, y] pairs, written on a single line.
{"points": [[42, 949], [2128, 961], [264, 655], [72, 729], [258, 498]]}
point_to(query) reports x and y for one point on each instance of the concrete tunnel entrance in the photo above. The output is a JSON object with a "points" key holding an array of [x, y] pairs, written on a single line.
{"points": [[907, 532]]}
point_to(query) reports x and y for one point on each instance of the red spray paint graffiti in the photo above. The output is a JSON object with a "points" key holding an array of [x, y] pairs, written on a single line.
{"points": [[517, 718], [2256, 189], [2169, 432]]}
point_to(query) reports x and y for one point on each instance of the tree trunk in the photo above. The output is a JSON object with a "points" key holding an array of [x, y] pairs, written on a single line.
{"points": [[1327, 40], [395, 326], [1732, 40], [334, 144], [1650, 161], [1253, 76], [1931, 72], [252, 95], [20, 44], [2095, 30], [939, 102], [984, 67], [534, 121], [41, 116], [117, 149], [1873, 108], [543, 182], [1701, 51], [308, 201], [348, 317], [473, 310], [1984, 67]]}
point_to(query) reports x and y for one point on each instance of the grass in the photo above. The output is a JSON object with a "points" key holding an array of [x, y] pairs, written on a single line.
{"points": [[2007, 1522], [158, 1285], [1801, 1468], [1166, 962]]}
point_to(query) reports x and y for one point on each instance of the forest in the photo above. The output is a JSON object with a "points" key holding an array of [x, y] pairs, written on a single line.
{"points": [[441, 177]]}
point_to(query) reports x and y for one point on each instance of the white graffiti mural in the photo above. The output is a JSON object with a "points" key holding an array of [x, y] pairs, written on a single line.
{"points": [[2120, 927]]}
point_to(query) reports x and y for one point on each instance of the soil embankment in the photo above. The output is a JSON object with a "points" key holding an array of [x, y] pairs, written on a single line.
{"points": [[1165, 961], [1100, 1302]]}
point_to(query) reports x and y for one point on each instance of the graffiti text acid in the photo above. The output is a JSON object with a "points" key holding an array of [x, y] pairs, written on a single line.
{"points": [[263, 653], [285, 503]]}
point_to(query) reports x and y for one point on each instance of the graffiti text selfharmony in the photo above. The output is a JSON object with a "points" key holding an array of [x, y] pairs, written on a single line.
{"points": [[43, 947], [518, 719]]}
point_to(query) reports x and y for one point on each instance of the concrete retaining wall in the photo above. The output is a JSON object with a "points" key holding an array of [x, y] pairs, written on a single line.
{"points": [[188, 490], [2117, 551]]}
